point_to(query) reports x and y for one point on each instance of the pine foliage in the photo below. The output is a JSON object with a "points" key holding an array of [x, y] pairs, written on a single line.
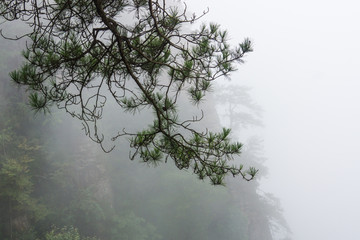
{"points": [[138, 53]]}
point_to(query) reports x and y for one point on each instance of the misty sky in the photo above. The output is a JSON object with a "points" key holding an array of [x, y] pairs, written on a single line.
{"points": [[305, 73]]}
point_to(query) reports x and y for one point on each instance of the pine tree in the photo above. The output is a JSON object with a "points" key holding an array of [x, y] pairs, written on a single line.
{"points": [[139, 54]]}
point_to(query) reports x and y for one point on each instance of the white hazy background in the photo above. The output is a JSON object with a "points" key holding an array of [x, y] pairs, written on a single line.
{"points": [[305, 73]]}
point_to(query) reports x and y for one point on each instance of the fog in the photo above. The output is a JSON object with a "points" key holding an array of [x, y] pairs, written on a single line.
{"points": [[56, 183], [304, 72], [298, 98]]}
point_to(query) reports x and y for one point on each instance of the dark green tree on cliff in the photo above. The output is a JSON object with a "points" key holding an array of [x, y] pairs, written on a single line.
{"points": [[138, 53]]}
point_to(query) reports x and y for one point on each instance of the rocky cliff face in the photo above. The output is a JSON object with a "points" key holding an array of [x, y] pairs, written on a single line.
{"points": [[89, 172]]}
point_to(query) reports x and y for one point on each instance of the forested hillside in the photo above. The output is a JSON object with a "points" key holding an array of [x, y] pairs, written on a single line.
{"points": [[56, 184]]}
